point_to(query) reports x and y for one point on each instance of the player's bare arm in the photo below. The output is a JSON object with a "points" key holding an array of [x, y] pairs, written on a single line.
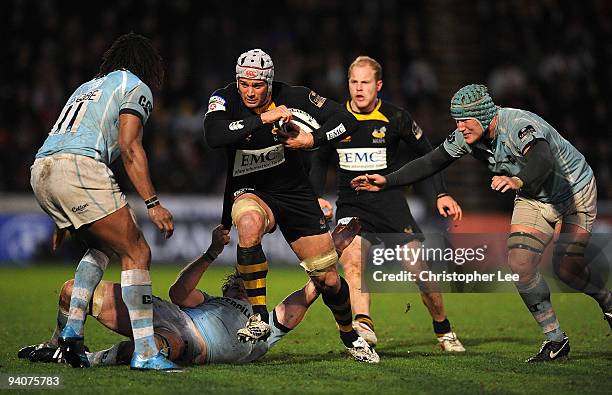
{"points": [[137, 168], [183, 292]]}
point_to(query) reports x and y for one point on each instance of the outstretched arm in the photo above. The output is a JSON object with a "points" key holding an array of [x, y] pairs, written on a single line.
{"points": [[183, 292], [415, 171]]}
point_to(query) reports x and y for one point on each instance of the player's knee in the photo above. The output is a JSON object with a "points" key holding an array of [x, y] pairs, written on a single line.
{"points": [[524, 253], [250, 226], [66, 294], [327, 283], [568, 259]]}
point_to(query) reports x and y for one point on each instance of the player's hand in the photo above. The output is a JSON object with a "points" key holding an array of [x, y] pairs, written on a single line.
{"points": [[448, 206], [344, 234], [504, 183], [162, 218], [58, 237], [220, 238], [302, 140], [369, 182], [276, 114], [326, 207]]}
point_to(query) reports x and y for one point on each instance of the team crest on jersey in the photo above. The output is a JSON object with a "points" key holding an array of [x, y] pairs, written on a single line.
{"points": [[379, 135], [216, 103], [316, 99], [347, 139], [416, 130], [526, 131]]}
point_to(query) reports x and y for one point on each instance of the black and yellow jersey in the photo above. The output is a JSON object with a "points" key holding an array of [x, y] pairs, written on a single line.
{"points": [[256, 158], [373, 148]]}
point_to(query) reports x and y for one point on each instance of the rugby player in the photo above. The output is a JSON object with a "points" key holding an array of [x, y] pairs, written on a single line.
{"points": [[555, 188], [375, 147], [102, 120], [194, 328], [267, 186]]}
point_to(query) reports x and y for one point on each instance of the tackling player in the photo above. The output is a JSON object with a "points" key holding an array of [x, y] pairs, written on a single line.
{"points": [[267, 186], [195, 328], [102, 120], [554, 185], [375, 147]]}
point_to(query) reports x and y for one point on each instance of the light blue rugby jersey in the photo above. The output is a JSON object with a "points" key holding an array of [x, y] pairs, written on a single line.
{"points": [[218, 319], [515, 130], [89, 122]]}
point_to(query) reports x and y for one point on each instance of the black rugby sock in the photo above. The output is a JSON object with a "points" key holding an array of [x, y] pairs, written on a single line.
{"points": [[253, 268], [340, 306]]}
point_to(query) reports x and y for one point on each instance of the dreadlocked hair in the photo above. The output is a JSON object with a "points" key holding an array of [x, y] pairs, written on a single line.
{"points": [[135, 53], [229, 280]]}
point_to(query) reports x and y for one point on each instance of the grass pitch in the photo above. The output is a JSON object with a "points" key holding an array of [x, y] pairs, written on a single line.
{"points": [[496, 329]]}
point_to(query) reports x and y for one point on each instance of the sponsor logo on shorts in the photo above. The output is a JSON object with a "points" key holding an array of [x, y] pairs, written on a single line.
{"points": [[236, 125], [242, 191], [362, 159], [250, 161], [335, 132], [81, 208], [316, 99]]}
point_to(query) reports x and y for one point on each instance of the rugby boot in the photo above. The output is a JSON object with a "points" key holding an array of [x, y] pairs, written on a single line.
{"points": [[363, 352], [551, 350], [255, 330], [47, 354], [608, 317], [450, 343], [73, 348], [366, 332], [156, 362], [24, 352]]}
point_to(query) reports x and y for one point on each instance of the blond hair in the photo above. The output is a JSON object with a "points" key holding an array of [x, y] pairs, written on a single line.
{"points": [[366, 61]]}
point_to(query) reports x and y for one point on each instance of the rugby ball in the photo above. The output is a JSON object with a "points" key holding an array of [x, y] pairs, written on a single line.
{"points": [[304, 120]]}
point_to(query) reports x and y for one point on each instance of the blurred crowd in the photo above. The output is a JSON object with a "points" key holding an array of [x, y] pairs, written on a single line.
{"points": [[550, 57]]}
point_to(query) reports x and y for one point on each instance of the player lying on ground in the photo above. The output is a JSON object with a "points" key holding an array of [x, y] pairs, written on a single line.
{"points": [[373, 146], [555, 188], [195, 328]]}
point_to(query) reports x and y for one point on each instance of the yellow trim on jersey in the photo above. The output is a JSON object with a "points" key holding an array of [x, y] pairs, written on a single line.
{"points": [[375, 115], [261, 110]]}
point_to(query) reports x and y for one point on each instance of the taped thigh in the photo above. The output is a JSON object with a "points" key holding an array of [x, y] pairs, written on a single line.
{"points": [[525, 241], [245, 205], [320, 264]]}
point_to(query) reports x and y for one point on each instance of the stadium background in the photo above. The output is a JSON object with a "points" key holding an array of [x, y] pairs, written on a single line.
{"points": [[550, 57]]}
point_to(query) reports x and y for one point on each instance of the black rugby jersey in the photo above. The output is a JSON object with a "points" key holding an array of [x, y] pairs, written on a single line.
{"points": [[374, 148], [255, 156]]}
